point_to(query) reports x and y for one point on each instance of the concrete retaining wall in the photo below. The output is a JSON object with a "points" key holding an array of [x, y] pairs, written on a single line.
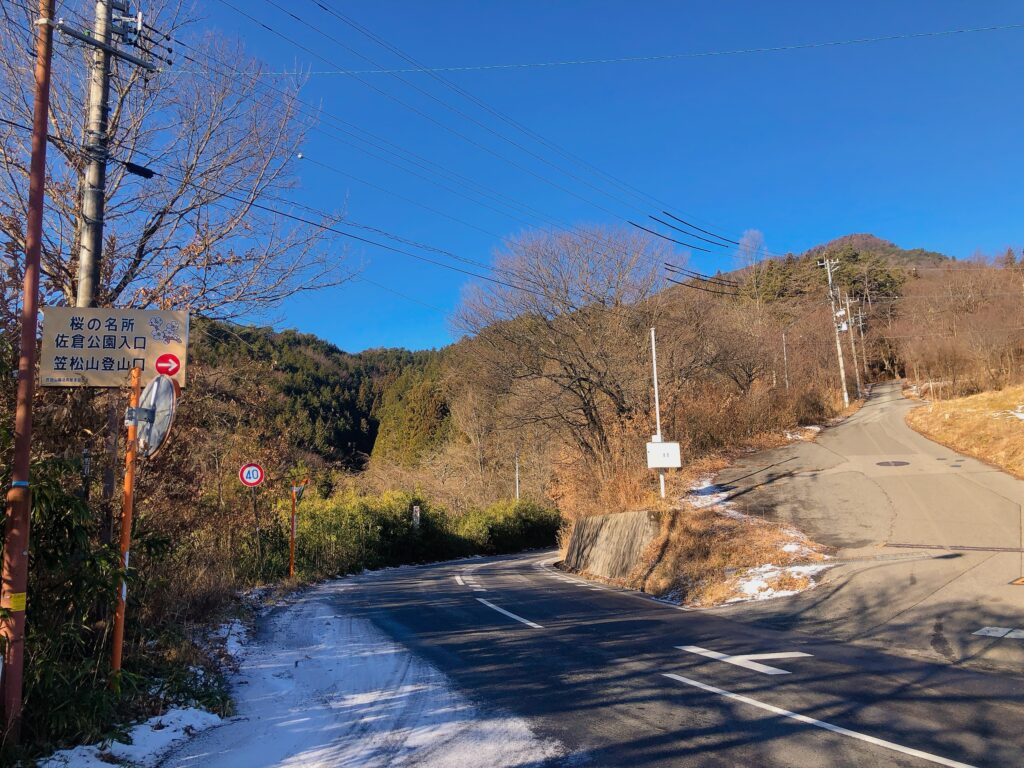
{"points": [[610, 546]]}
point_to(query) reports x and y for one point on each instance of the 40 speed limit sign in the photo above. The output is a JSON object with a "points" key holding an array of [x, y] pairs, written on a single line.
{"points": [[251, 475]]}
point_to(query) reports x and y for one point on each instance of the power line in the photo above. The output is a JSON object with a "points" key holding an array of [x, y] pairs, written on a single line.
{"points": [[666, 56], [701, 288], [623, 185]]}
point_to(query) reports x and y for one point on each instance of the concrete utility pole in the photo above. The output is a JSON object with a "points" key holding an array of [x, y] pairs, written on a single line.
{"points": [[863, 346], [19, 498], [657, 405], [853, 347], [785, 362], [517, 474], [828, 264], [90, 245]]}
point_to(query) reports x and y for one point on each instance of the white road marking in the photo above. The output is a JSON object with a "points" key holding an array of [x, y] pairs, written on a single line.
{"points": [[820, 723], [511, 615], [994, 631], [1017, 634], [747, 661], [460, 581]]}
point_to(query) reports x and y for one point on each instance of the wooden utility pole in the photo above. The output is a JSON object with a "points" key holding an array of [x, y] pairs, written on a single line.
{"points": [[126, 524], [828, 264], [19, 498]]}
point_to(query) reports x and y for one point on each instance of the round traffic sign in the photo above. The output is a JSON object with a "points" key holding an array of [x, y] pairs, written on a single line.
{"points": [[251, 475], [168, 364]]}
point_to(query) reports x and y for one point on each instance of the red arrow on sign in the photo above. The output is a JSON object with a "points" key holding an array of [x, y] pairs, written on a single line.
{"points": [[168, 364]]}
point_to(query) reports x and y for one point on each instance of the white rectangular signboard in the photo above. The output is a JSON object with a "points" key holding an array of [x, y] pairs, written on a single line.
{"points": [[663, 456]]}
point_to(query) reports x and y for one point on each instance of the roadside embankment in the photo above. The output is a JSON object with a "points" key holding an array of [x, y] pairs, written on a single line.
{"points": [[989, 426], [702, 554]]}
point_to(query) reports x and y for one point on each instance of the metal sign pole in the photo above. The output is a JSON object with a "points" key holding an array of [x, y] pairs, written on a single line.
{"points": [[126, 527]]}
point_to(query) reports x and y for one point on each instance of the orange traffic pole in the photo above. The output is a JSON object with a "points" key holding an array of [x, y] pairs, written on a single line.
{"points": [[126, 530], [19, 499], [291, 549]]}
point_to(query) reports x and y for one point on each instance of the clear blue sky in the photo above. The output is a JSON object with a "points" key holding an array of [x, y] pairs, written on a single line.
{"points": [[917, 141]]}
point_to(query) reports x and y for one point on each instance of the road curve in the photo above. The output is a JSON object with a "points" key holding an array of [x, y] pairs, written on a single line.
{"points": [[870, 484]]}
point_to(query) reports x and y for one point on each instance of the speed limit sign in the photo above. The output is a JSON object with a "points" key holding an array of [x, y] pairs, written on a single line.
{"points": [[251, 475]]}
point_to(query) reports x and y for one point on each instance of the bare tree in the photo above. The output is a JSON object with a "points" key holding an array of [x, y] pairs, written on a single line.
{"points": [[200, 235], [563, 342]]}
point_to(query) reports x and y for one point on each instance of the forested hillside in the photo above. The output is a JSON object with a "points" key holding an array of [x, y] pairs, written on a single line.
{"points": [[328, 401]]}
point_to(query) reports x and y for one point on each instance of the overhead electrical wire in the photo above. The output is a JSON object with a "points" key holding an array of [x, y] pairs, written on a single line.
{"points": [[598, 305], [701, 288], [669, 56], [623, 185]]}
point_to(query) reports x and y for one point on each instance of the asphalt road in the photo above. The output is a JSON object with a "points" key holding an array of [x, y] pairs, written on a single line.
{"points": [[870, 484], [622, 680]]}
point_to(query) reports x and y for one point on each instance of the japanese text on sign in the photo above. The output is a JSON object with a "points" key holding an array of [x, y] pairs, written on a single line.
{"points": [[96, 347]]}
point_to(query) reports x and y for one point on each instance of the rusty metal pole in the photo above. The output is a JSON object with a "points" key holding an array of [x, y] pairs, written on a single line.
{"points": [[19, 498], [126, 529], [291, 548]]}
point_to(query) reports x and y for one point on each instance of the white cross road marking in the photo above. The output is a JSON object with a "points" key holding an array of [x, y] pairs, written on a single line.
{"points": [[511, 615], [747, 661], [819, 723], [994, 631]]}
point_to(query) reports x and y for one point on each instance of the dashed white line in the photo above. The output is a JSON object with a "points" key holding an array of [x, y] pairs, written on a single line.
{"points": [[460, 581], [511, 615], [819, 723]]}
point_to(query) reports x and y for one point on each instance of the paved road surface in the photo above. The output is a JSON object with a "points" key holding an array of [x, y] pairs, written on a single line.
{"points": [[872, 482], [603, 673]]}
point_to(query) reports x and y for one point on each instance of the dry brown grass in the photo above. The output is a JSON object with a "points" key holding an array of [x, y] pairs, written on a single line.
{"points": [[701, 555], [982, 426]]}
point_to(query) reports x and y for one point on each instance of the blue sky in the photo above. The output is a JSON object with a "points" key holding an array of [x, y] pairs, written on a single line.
{"points": [[917, 141]]}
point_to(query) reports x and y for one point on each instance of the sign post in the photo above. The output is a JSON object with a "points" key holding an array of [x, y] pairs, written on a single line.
{"points": [[127, 509], [107, 347], [297, 491], [660, 455], [251, 475]]}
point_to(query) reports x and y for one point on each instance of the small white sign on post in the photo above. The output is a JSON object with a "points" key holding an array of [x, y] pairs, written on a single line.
{"points": [[663, 456]]}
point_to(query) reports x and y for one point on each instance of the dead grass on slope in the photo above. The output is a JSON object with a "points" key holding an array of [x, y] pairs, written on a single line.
{"points": [[988, 426], [701, 556]]}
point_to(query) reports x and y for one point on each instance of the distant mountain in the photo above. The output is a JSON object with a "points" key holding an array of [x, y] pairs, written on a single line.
{"points": [[869, 245]]}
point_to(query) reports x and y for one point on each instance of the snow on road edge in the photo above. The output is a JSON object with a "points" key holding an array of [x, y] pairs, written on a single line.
{"points": [[149, 742], [320, 686]]}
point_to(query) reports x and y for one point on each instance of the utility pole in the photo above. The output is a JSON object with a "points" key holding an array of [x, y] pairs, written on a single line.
{"points": [[829, 264], [785, 361], [657, 405], [517, 474], [853, 347], [863, 346], [19, 498], [90, 245]]}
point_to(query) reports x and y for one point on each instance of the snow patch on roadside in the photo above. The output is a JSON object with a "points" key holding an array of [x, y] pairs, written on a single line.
{"points": [[766, 581], [762, 582], [149, 741], [323, 687]]}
